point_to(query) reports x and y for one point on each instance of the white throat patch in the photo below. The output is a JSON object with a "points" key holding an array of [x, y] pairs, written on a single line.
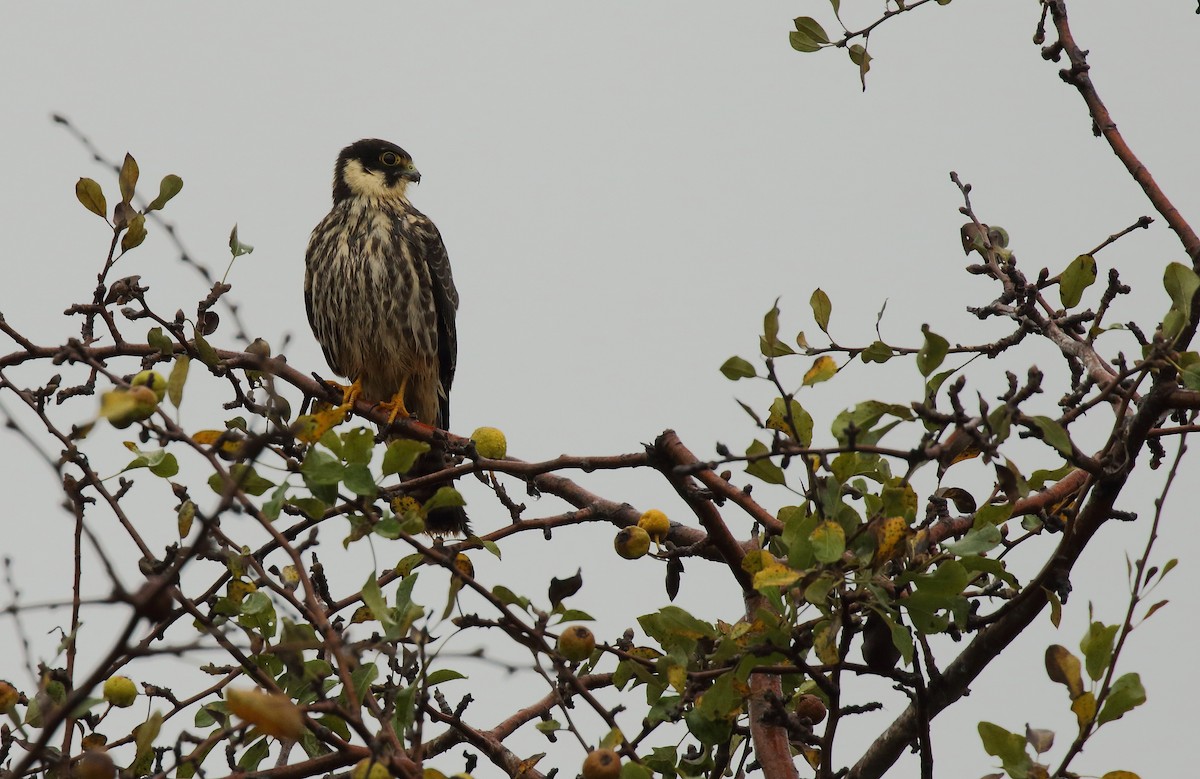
{"points": [[371, 183]]}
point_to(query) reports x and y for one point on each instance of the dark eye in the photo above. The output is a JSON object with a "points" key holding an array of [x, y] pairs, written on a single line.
{"points": [[389, 158]]}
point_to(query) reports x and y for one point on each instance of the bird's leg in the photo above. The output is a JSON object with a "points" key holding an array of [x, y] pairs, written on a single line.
{"points": [[350, 393], [395, 407]]}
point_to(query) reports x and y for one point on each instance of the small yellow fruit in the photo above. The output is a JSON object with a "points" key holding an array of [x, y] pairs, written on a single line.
{"points": [[123, 407], [490, 443], [154, 380], [120, 691], [260, 348], [464, 566], [9, 697], [632, 542], [656, 524], [274, 714], [94, 765], [370, 768], [576, 643], [810, 708], [602, 764]]}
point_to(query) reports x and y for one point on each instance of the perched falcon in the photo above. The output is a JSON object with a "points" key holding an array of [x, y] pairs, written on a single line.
{"points": [[379, 294]]}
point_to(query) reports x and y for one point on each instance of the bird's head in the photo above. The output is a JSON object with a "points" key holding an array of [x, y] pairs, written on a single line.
{"points": [[375, 169]]}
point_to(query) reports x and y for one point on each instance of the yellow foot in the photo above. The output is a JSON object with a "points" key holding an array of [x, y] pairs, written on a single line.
{"points": [[395, 407], [350, 393]]}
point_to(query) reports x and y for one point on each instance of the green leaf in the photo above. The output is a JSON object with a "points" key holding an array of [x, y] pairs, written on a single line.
{"points": [[949, 579], [168, 188], [932, 352], [877, 352], [373, 599], [179, 374], [635, 771], [1127, 693], [1009, 747], [1181, 283], [864, 417], [401, 455], [821, 306], [206, 353], [672, 622], [976, 541], [828, 541], [443, 675], [736, 368], [811, 28], [988, 565], [135, 233], [321, 468], [89, 193], [902, 640], [1190, 376], [160, 462], [363, 677], [359, 480], [1097, 647], [1078, 276], [801, 42], [763, 468], [159, 341], [405, 709], [184, 518], [357, 446], [445, 497], [769, 344], [782, 417], [257, 602], [145, 733], [1053, 434], [273, 506], [128, 178], [236, 247], [246, 478], [861, 57], [257, 753]]}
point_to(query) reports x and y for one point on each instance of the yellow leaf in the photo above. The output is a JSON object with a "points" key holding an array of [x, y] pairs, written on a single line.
{"points": [[272, 713], [1085, 709], [775, 575], [677, 677], [756, 560], [889, 539], [1064, 668], [822, 369], [310, 427]]}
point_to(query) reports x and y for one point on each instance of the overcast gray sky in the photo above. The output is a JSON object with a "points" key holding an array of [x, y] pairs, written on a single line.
{"points": [[624, 189]]}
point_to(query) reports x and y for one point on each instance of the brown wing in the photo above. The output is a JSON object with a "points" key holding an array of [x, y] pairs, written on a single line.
{"points": [[319, 244], [445, 300]]}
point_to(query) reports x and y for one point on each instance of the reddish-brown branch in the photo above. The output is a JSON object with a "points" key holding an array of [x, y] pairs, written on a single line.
{"points": [[669, 453], [1078, 76], [771, 745]]}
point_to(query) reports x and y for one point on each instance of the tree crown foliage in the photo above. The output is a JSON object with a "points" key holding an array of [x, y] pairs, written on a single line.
{"points": [[879, 564]]}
